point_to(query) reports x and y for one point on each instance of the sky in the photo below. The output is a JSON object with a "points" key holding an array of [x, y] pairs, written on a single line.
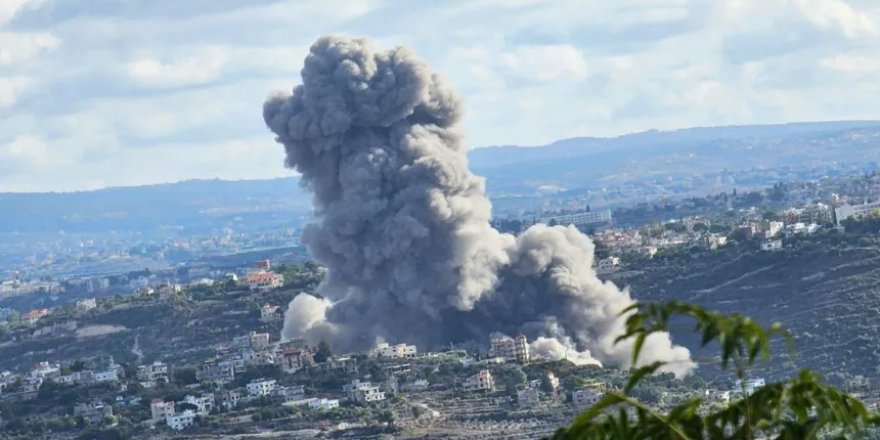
{"points": [[98, 93]]}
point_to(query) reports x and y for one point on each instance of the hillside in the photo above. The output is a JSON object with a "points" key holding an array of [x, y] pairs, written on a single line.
{"points": [[824, 289]]}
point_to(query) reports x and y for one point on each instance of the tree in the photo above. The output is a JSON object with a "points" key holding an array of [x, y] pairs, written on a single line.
{"points": [[802, 407], [323, 353]]}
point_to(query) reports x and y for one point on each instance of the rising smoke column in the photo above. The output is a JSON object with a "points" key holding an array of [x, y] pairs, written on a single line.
{"points": [[403, 225]]}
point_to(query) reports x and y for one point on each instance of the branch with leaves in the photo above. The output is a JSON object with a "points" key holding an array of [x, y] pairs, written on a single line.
{"points": [[801, 408]]}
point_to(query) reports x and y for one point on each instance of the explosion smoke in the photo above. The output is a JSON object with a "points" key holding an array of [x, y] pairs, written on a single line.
{"points": [[404, 225]]}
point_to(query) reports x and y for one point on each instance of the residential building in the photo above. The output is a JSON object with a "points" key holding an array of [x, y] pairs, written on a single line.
{"points": [[609, 264], [291, 393], [363, 392], [33, 316], [773, 229], [581, 220], [264, 265], [845, 212], [264, 281], [750, 385], [398, 351], [253, 340], [527, 396], [84, 305], [771, 245], [160, 409], [585, 396], [219, 374], [482, 381], [44, 370], [293, 360], [261, 387], [150, 375], [204, 404], [94, 412], [229, 399], [322, 404], [181, 421], [511, 349], [268, 312]]}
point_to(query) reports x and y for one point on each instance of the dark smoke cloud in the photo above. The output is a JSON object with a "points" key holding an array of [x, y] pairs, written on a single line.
{"points": [[404, 225]]}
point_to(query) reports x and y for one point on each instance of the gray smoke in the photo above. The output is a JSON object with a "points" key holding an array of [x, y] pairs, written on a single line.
{"points": [[404, 225]]}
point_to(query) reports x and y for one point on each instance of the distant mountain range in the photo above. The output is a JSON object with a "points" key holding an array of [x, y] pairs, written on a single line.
{"points": [[569, 164]]}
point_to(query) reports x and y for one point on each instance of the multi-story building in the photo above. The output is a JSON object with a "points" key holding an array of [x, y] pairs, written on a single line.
{"points": [[219, 374], [160, 409], [585, 396], [268, 312], [527, 396], [399, 351], [363, 392], [155, 373], [261, 387], [581, 220], [93, 413], [181, 421], [482, 381], [321, 404], [293, 360], [264, 281], [845, 212], [84, 305], [33, 316], [511, 349], [204, 404]]}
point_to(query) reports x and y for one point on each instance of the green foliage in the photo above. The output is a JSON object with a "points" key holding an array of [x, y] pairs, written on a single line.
{"points": [[323, 352], [801, 408]]}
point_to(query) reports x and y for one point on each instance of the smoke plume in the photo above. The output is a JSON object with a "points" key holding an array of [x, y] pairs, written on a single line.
{"points": [[403, 225]]}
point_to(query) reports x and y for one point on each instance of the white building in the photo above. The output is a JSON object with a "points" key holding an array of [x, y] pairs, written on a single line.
{"points": [[585, 396], [152, 374], [511, 349], [160, 409], [771, 245], [259, 388], [527, 396], [268, 312], [204, 404], [110, 375], [179, 422], [321, 404], [363, 392], [773, 229], [84, 305], [399, 351], [264, 281], [750, 385], [856, 211], [609, 264], [482, 381]]}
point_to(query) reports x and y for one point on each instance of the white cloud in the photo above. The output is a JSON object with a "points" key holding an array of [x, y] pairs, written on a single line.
{"points": [[837, 15], [199, 68], [23, 152], [17, 47], [11, 89], [546, 63], [10, 8]]}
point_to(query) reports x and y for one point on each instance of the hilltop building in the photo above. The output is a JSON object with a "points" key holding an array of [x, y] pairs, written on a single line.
{"points": [[511, 349]]}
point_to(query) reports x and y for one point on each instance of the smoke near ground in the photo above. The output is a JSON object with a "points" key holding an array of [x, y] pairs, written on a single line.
{"points": [[404, 227]]}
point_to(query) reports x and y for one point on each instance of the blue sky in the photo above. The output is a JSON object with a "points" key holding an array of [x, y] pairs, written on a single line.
{"points": [[97, 93]]}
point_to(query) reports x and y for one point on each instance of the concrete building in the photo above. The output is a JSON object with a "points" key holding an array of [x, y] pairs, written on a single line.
{"points": [[160, 409], [771, 245], [155, 373], [587, 219], [84, 305], [293, 360], [261, 387], [399, 351], [204, 404], [482, 381], [511, 349], [773, 229], [363, 392], [93, 413], [181, 421], [33, 316], [609, 264], [322, 404], [750, 385], [219, 374], [527, 396], [291, 393], [585, 396], [264, 281], [845, 212], [268, 312]]}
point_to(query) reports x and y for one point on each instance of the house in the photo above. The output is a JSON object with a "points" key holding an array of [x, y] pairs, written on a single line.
{"points": [[33, 316], [482, 381], [845, 212], [84, 305], [268, 312], [150, 375], [749, 387], [264, 281], [229, 399], [527, 396], [773, 229], [204, 404], [585, 396], [261, 387], [159, 409], [293, 360], [363, 392], [291, 393], [771, 245], [45, 370], [399, 351], [93, 413], [219, 374], [179, 422], [511, 349], [322, 404], [253, 340], [609, 264]]}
